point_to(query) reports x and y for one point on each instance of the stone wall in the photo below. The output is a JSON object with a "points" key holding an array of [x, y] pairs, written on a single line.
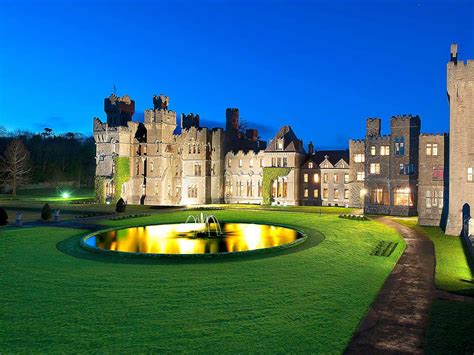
{"points": [[460, 85], [432, 180]]}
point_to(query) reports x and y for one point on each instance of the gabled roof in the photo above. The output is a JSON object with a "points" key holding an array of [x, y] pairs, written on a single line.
{"points": [[333, 156], [291, 143]]}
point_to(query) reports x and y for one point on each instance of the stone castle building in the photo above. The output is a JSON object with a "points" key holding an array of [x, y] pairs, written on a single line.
{"points": [[403, 173]]}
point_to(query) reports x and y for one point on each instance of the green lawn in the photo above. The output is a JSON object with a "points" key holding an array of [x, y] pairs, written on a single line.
{"points": [[308, 299], [451, 323], [451, 329], [453, 272]]}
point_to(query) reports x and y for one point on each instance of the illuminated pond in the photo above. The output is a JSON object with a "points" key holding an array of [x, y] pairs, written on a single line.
{"points": [[193, 238]]}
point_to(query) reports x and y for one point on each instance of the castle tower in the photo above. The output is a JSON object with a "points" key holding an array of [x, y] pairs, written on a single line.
{"points": [[373, 126], [188, 121], [232, 119], [119, 110], [460, 85]]}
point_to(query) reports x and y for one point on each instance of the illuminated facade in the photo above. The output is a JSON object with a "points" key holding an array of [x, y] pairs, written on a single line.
{"points": [[404, 173]]}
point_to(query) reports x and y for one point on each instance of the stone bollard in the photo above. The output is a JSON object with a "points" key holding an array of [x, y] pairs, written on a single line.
{"points": [[19, 219], [57, 217]]}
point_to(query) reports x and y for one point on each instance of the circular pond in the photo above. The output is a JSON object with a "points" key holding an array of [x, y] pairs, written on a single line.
{"points": [[193, 239]]}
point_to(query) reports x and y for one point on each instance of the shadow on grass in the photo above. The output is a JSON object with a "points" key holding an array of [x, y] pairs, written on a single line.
{"points": [[71, 247]]}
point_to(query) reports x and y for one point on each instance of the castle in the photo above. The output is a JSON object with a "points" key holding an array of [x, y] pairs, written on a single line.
{"points": [[404, 173]]}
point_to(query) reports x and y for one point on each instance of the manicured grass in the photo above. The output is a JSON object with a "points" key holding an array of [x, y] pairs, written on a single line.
{"points": [[310, 300], [451, 329], [306, 209], [50, 194], [453, 272]]}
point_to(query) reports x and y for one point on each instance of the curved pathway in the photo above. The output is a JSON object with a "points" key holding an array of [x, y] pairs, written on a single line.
{"points": [[397, 319]]}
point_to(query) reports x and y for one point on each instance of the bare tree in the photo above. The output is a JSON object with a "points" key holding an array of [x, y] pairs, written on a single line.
{"points": [[14, 165]]}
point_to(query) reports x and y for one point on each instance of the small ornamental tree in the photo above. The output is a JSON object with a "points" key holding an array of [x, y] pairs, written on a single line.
{"points": [[120, 206], [3, 216], [46, 213]]}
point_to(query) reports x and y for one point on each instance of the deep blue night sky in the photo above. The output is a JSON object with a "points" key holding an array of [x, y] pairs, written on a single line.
{"points": [[320, 66]]}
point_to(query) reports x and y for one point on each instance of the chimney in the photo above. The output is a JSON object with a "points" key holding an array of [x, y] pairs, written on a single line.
{"points": [[310, 148], [454, 53]]}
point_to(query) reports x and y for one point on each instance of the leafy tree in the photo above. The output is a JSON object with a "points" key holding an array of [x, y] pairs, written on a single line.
{"points": [[15, 165]]}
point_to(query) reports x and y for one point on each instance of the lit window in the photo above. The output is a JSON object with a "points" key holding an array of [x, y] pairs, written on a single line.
{"points": [[240, 163], [346, 194], [229, 163], [305, 177], [435, 149], [359, 158], [239, 188], [325, 178], [310, 165], [228, 188], [385, 150], [316, 177], [336, 178], [372, 150], [251, 163], [470, 174], [316, 193], [440, 199], [403, 197], [429, 151], [336, 194], [261, 163], [305, 192], [325, 194], [280, 144], [360, 175], [346, 178], [434, 200], [375, 168], [428, 198], [379, 196]]}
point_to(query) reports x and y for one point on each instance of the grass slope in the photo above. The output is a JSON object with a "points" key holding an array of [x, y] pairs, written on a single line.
{"points": [[311, 300], [451, 329], [452, 266]]}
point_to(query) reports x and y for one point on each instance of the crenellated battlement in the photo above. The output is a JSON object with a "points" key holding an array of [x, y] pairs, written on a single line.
{"points": [[434, 135], [462, 64], [382, 138], [403, 117], [242, 153], [357, 141]]}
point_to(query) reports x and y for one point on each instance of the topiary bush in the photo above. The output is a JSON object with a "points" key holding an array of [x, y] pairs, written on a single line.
{"points": [[120, 206], [3, 217], [46, 212]]}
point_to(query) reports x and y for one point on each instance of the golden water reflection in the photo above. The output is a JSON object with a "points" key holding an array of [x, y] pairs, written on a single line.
{"points": [[181, 238]]}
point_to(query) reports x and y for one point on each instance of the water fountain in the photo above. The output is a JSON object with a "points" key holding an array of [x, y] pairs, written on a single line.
{"points": [[204, 224]]}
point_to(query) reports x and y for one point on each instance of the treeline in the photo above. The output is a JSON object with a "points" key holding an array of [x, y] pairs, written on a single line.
{"points": [[55, 158]]}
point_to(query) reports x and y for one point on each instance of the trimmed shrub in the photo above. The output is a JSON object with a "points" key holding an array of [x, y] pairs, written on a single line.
{"points": [[120, 206], [3, 216], [46, 212]]}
